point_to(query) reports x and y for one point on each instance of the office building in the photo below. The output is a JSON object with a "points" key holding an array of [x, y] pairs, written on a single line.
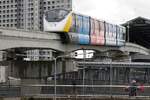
{"points": [[28, 14]]}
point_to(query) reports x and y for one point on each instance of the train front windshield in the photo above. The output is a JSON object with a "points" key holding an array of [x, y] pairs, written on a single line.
{"points": [[56, 15]]}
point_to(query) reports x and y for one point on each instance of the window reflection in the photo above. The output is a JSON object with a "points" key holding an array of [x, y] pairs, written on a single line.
{"points": [[56, 15]]}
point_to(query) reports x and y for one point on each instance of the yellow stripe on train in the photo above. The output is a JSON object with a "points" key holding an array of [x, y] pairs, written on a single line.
{"points": [[68, 24]]}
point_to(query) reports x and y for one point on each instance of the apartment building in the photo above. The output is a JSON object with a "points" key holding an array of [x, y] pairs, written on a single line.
{"points": [[28, 14]]}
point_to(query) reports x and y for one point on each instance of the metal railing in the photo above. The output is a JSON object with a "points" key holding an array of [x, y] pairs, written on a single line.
{"points": [[64, 90]]}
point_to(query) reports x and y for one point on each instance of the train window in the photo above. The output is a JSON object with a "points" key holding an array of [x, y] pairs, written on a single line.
{"points": [[106, 29], [124, 33], [101, 26], [92, 27], [56, 15], [97, 27]]}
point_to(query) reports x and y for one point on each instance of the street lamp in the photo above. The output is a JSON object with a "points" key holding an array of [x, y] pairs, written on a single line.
{"points": [[128, 32], [111, 76], [84, 57], [55, 73]]}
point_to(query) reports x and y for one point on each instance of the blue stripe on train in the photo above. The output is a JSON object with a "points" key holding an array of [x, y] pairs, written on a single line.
{"points": [[84, 39]]}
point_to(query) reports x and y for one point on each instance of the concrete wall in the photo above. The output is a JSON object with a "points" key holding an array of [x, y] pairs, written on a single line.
{"points": [[31, 70], [70, 66]]}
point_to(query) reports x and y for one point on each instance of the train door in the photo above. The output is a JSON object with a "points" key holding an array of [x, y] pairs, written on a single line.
{"points": [[86, 25], [79, 24], [92, 33]]}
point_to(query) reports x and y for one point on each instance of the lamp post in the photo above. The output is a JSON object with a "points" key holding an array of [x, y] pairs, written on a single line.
{"points": [[128, 32], [55, 73], [111, 77], [84, 57], [55, 91]]}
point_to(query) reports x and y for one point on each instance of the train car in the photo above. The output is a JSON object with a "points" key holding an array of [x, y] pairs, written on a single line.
{"points": [[57, 20], [102, 32], [121, 31], [82, 29], [97, 32], [111, 35]]}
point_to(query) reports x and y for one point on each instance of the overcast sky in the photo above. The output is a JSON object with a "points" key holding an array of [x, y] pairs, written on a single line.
{"points": [[114, 11]]}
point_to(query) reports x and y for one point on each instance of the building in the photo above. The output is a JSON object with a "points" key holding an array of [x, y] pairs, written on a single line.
{"points": [[28, 14], [39, 55], [138, 30]]}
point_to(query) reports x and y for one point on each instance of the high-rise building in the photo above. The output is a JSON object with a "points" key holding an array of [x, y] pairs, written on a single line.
{"points": [[28, 14]]}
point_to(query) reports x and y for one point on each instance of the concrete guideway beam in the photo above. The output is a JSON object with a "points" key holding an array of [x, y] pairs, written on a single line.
{"points": [[73, 47], [19, 42], [130, 47], [29, 34], [15, 42]]}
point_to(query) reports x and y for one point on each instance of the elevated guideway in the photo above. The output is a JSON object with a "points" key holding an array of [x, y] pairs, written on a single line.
{"points": [[15, 38], [131, 47]]}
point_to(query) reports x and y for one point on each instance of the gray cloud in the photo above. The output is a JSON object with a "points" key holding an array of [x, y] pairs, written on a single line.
{"points": [[115, 11]]}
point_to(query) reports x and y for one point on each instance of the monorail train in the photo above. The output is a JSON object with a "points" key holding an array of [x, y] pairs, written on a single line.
{"points": [[82, 29]]}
